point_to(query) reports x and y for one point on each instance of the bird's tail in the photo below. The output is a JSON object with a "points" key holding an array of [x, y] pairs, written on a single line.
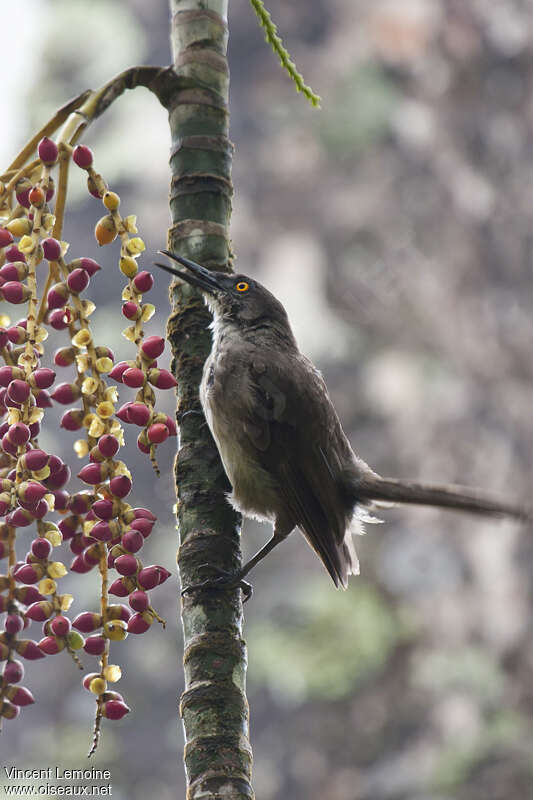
{"points": [[373, 487]]}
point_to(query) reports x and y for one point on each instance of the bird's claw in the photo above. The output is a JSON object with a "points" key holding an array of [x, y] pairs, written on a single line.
{"points": [[225, 580]]}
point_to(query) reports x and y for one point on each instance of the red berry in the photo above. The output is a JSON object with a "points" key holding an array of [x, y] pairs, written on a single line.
{"points": [[95, 645], [13, 671], [14, 254], [18, 433], [153, 346], [157, 433], [65, 356], [104, 509], [131, 310], [120, 485], [133, 377], [6, 238], [36, 196], [47, 151], [108, 445], [139, 414], [82, 156], [114, 709], [143, 281], [161, 378], [118, 371], [60, 625], [78, 280], [87, 622], [132, 541], [51, 249], [79, 565], [18, 391], [66, 393], [126, 565], [60, 318], [15, 292], [42, 378], [148, 577], [57, 295], [72, 420], [20, 696], [88, 264], [28, 649], [139, 601], [13, 624], [50, 645], [139, 623], [93, 473], [41, 548], [102, 532]]}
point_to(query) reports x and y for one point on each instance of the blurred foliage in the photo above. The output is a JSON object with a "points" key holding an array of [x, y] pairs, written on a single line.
{"points": [[359, 112], [292, 651]]}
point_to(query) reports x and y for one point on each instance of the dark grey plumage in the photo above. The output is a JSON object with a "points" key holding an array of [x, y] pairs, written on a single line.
{"points": [[280, 440]]}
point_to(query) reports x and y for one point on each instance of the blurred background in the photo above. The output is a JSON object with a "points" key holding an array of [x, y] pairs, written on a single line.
{"points": [[395, 225]]}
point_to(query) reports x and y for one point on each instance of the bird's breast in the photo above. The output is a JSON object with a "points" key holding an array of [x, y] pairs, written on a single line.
{"points": [[226, 398]]}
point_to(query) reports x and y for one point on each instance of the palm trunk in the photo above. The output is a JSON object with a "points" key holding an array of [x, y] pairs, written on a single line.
{"points": [[213, 706]]}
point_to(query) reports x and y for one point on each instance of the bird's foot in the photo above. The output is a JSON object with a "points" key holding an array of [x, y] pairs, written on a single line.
{"points": [[224, 580]]}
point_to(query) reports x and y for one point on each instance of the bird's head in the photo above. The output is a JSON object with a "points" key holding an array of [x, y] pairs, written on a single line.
{"points": [[236, 298]]}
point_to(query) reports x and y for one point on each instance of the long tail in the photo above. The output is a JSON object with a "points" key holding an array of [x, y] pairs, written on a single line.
{"points": [[426, 494]]}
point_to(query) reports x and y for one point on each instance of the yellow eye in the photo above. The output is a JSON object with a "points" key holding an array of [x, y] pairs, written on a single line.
{"points": [[242, 286]]}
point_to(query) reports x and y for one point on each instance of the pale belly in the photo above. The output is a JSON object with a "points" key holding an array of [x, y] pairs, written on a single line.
{"points": [[254, 493]]}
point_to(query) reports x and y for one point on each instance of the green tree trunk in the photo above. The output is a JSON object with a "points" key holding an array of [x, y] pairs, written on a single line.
{"points": [[213, 706]]}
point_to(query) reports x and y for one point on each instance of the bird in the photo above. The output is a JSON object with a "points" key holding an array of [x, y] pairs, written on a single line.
{"points": [[280, 440]]}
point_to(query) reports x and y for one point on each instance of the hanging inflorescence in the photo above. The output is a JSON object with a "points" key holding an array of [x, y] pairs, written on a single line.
{"points": [[104, 532]]}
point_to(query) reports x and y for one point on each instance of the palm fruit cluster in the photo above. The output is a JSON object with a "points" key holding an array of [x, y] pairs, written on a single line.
{"points": [[103, 531]]}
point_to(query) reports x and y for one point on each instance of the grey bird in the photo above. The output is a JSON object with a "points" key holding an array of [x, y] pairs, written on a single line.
{"points": [[279, 437]]}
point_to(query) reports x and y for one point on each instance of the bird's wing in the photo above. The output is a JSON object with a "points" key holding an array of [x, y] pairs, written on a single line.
{"points": [[299, 441]]}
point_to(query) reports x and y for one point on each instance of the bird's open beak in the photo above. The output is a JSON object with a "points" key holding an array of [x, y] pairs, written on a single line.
{"points": [[197, 276]]}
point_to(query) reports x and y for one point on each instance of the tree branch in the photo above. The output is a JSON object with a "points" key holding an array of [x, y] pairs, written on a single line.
{"points": [[213, 706]]}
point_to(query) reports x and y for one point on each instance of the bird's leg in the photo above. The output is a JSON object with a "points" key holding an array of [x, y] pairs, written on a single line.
{"points": [[232, 580]]}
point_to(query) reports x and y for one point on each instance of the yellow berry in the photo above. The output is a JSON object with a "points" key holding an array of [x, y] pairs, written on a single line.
{"points": [[81, 448], [98, 685], [19, 227], [115, 629], [135, 246], [105, 409], [88, 525], [82, 338], [104, 364], [26, 244], [113, 673], [41, 474], [47, 586], [129, 333], [96, 428], [56, 569], [65, 601], [88, 307], [54, 537], [89, 385], [111, 394], [111, 200], [128, 266], [148, 311], [82, 362], [105, 230], [41, 334], [130, 223], [51, 500]]}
